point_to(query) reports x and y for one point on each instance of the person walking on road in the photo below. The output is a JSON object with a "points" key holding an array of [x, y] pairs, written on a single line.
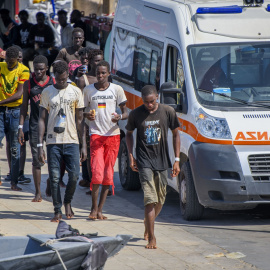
{"points": [[152, 121], [70, 54], [32, 90], [61, 102], [102, 98], [12, 77]]}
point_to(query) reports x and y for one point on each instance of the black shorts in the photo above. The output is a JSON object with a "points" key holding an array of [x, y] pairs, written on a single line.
{"points": [[33, 136]]}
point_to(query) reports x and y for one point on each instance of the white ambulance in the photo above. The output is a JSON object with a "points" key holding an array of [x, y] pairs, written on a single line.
{"points": [[211, 62]]}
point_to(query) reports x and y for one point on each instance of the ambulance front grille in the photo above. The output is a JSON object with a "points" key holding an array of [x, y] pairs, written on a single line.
{"points": [[260, 167], [265, 115]]}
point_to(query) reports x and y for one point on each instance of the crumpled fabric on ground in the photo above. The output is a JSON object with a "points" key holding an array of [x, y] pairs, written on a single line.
{"points": [[97, 255]]}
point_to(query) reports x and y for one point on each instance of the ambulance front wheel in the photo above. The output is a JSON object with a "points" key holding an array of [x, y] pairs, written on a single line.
{"points": [[190, 207], [128, 178]]}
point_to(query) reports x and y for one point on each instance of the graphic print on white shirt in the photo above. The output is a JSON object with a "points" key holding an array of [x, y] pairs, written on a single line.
{"points": [[105, 103]]}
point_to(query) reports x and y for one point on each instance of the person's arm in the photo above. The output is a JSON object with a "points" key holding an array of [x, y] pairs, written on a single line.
{"points": [[69, 36], [80, 83], [12, 35], [43, 114], [132, 160], [176, 148], [81, 132], [15, 97], [23, 111], [61, 55], [124, 115]]}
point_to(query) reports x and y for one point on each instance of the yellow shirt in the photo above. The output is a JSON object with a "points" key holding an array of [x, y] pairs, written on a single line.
{"points": [[10, 80]]}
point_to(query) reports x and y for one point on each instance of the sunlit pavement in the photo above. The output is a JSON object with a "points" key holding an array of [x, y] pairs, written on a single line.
{"points": [[177, 249]]}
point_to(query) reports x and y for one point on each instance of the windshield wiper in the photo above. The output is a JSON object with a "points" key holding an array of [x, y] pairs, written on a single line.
{"points": [[252, 104]]}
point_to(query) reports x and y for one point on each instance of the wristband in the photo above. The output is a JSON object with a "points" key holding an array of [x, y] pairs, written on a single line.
{"points": [[121, 116], [40, 145], [20, 126], [177, 159]]}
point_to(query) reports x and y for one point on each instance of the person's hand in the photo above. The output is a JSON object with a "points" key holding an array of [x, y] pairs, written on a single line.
{"points": [[9, 27], [116, 117], [133, 163], [21, 137], [41, 155], [3, 54], [175, 169], [81, 71], [90, 115], [36, 46], [83, 154]]}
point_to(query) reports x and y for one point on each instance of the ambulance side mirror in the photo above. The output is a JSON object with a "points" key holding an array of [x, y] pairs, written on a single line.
{"points": [[172, 96]]}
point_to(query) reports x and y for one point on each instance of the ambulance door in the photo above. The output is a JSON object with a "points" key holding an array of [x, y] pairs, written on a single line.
{"points": [[173, 72]]}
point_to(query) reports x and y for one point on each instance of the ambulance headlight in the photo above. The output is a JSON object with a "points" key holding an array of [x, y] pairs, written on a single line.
{"points": [[212, 127]]}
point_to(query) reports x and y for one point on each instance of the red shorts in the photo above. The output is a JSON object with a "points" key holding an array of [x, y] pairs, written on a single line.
{"points": [[103, 152]]}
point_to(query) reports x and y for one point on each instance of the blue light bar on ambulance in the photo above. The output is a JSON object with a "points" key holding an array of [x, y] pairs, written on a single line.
{"points": [[219, 10], [268, 8]]}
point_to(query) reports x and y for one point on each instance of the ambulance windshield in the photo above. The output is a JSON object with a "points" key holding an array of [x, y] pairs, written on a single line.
{"points": [[241, 72]]}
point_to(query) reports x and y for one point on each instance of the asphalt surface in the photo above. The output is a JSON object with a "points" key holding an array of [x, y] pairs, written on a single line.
{"points": [[204, 244]]}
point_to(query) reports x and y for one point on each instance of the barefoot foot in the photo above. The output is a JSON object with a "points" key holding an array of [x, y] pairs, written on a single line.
{"points": [[37, 198], [69, 212], [151, 243], [56, 218], [15, 188], [100, 216], [93, 214]]}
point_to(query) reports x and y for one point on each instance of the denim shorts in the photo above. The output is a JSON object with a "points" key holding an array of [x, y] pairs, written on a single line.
{"points": [[154, 185]]}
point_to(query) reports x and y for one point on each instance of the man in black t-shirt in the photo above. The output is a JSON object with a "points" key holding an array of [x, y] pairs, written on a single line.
{"points": [[41, 35], [32, 90], [23, 40], [152, 121]]}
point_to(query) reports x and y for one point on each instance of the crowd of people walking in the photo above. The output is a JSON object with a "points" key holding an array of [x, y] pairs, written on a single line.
{"points": [[69, 102]]}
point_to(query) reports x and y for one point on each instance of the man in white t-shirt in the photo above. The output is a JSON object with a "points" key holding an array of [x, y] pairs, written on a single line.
{"points": [[60, 103], [102, 98]]}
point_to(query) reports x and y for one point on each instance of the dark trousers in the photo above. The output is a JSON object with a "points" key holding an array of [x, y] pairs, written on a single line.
{"points": [[9, 121], [70, 154]]}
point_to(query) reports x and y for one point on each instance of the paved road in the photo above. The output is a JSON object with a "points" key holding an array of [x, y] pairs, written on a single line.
{"points": [[182, 245]]}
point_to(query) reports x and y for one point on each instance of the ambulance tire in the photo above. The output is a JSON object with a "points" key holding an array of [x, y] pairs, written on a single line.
{"points": [[128, 178], [190, 207]]}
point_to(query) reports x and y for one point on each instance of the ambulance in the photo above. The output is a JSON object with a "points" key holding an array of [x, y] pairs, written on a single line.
{"points": [[210, 61]]}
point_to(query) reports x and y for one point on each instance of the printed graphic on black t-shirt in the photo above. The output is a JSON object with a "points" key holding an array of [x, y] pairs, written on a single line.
{"points": [[152, 132]]}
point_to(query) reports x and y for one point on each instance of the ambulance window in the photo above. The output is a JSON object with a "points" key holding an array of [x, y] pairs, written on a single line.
{"points": [[147, 62], [124, 43], [171, 64], [153, 67]]}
